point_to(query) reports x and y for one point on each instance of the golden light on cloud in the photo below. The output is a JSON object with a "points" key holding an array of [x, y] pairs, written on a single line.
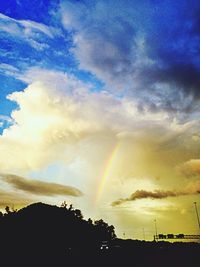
{"points": [[105, 146], [190, 168]]}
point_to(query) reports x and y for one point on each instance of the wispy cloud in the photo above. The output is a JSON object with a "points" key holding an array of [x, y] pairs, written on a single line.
{"points": [[9, 70], [5, 121], [37, 187], [28, 31], [191, 189], [28, 27], [6, 118]]}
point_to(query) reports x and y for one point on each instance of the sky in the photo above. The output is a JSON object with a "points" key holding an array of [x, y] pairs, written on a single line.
{"points": [[99, 107]]}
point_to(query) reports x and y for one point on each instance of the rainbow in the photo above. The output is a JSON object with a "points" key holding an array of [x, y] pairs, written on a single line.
{"points": [[106, 172]]}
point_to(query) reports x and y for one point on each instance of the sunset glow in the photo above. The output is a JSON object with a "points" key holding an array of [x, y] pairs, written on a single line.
{"points": [[100, 107]]}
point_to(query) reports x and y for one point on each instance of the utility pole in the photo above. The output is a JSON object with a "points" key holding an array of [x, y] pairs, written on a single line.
{"points": [[195, 205]]}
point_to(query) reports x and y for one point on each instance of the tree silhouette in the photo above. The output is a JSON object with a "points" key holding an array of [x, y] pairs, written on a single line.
{"points": [[50, 230], [104, 231], [7, 209]]}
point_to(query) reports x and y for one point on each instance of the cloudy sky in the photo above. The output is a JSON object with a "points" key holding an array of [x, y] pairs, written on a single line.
{"points": [[99, 107]]}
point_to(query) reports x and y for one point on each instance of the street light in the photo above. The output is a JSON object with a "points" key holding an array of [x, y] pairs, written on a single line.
{"points": [[195, 205]]}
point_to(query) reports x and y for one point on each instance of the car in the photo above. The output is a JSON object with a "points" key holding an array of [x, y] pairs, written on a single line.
{"points": [[104, 245]]}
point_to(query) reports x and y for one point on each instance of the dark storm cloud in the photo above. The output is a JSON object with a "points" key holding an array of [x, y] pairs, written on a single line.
{"points": [[40, 188], [139, 47]]}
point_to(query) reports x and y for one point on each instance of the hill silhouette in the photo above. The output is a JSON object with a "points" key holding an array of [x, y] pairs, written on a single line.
{"points": [[45, 235], [47, 232]]}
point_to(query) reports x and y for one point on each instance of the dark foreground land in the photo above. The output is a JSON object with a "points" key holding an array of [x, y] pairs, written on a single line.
{"points": [[43, 235], [134, 255]]}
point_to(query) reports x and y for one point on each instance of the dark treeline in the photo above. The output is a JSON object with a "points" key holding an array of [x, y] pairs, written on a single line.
{"points": [[45, 235]]}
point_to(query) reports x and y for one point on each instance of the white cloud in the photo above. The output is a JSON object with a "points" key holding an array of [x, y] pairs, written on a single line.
{"points": [[55, 111]]}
